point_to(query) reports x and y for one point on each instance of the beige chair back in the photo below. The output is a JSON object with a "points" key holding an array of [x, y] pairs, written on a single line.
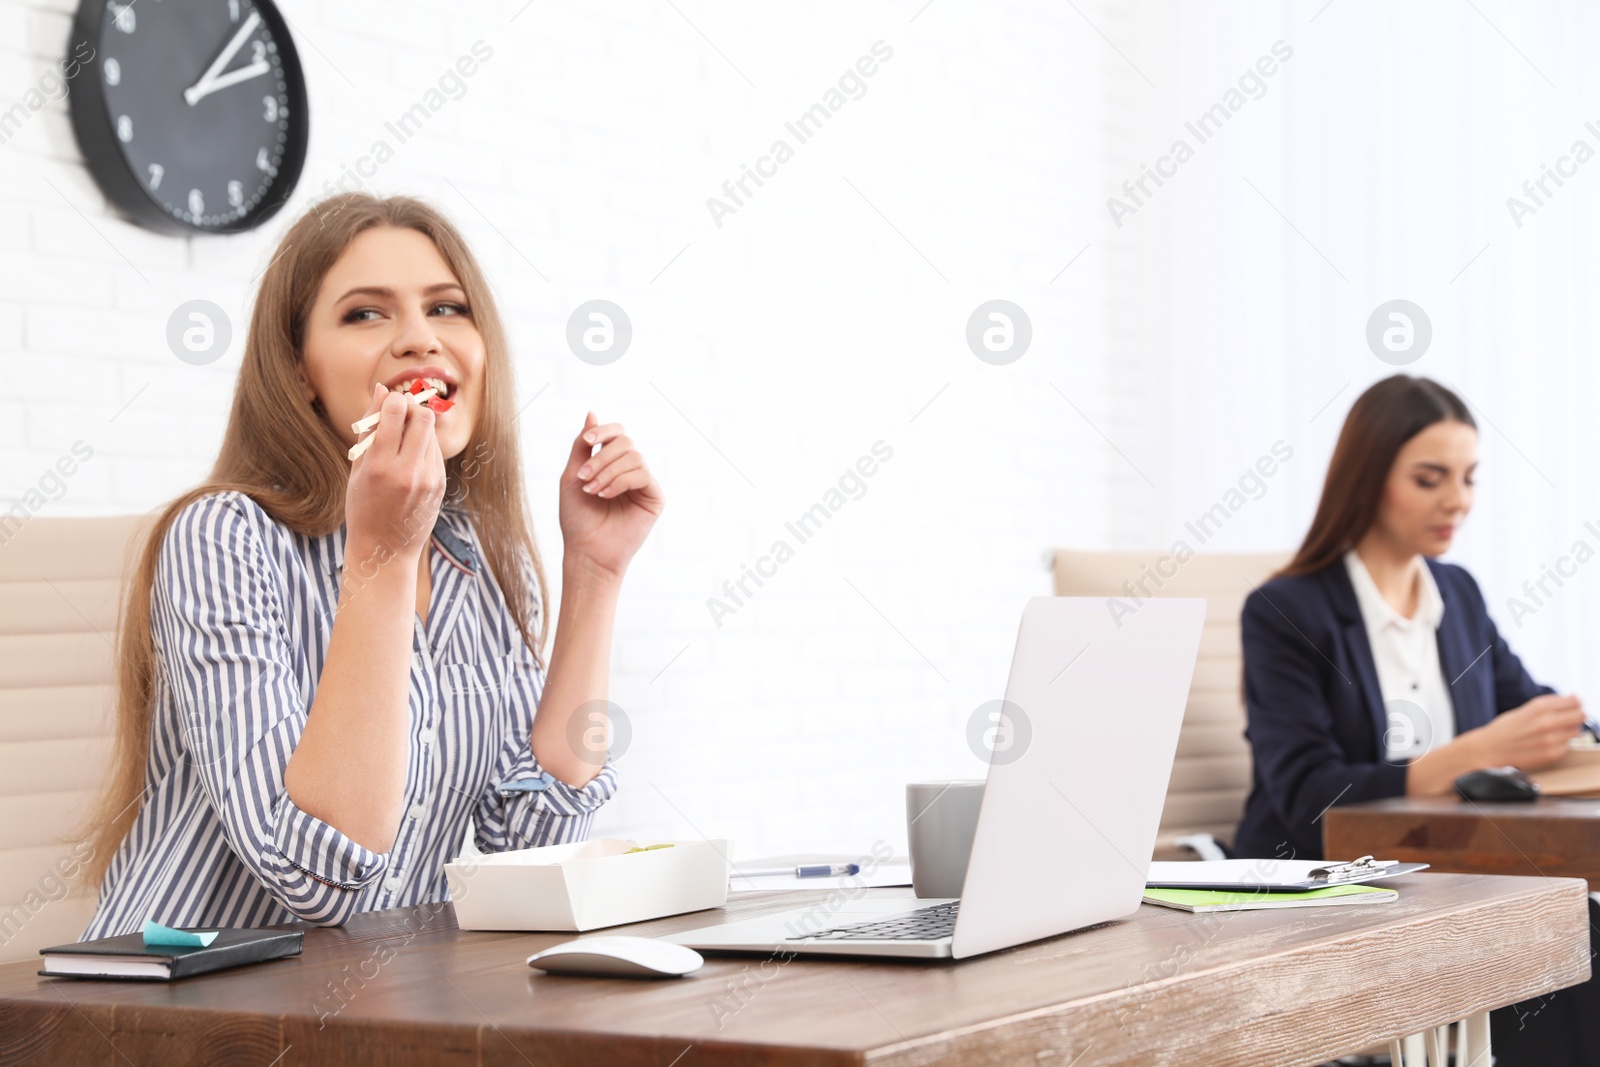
{"points": [[60, 579], [1212, 774]]}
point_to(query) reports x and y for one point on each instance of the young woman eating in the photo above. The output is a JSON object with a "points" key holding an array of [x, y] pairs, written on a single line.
{"points": [[328, 667]]}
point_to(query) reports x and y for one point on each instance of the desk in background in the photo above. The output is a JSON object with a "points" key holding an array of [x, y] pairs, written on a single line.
{"points": [[1558, 837], [1241, 988]]}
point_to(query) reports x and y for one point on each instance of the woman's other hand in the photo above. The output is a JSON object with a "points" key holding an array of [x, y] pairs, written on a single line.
{"points": [[609, 500]]}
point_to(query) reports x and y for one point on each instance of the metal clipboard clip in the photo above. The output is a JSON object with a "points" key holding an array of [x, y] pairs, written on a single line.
{"points": [[1354, 871]]}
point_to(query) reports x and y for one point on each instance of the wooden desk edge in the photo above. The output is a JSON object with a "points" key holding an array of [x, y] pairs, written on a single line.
{"points": [[1163, 1035]]}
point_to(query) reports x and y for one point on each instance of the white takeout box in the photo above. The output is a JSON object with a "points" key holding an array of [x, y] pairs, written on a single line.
{"points": [[586, 885]]}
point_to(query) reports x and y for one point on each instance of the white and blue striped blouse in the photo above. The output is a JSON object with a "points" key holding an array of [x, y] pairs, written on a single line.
{"points": [[242, 610]]}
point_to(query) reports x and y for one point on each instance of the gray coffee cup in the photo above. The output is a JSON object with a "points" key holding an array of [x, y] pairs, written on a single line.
{"points": [[940, 820]]}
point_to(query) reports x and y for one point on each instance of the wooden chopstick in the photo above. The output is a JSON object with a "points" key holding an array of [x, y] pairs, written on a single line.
{"points": [[371, 421]]}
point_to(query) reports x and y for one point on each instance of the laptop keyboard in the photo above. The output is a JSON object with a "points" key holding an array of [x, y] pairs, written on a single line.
{"points": [[925, 924]]}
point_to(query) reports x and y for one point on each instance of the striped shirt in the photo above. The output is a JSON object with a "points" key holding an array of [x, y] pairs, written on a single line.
{"points": [[242, 610]]}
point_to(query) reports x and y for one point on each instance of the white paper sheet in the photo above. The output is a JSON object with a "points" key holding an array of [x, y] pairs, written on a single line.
{"points": [[894, 872], [1270, 872]]}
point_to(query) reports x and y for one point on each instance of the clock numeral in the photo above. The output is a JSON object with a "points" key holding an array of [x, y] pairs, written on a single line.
{"points": [[123, 16], [263, 163], [197, 204], [233, 10], [124, 129], [235, 194], [113, 72], [156, 171], [270, 106], [259, 49]]}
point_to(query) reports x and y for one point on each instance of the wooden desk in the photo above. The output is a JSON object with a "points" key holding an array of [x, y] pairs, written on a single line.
{"points": [[1243, 988], [1553, 836]]}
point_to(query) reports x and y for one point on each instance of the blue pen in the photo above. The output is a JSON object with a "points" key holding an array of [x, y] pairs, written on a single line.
{"points": [[816, 870]]}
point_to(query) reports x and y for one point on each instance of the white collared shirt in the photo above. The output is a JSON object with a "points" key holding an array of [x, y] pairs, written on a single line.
{"points": [[1416, 694]]}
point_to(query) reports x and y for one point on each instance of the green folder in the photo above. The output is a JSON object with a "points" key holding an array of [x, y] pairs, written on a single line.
{"points": [[1211, 900]]}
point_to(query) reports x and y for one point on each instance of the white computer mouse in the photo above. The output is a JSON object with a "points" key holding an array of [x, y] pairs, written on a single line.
{"points": [[618, 956]]}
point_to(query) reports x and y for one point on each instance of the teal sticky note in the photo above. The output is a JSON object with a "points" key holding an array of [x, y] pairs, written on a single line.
{"points": [[156, 934]]}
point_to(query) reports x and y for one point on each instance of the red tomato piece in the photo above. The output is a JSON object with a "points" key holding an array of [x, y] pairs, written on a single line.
{"points": [[440, 404]]}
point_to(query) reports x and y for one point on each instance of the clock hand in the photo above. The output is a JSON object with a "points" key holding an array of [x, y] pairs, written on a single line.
{"points": [[233, 77], [199, 89]]}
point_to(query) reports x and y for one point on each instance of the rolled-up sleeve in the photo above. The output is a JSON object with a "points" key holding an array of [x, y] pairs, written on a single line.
{"points": [[222, 637], [527, 807], [316, 849]]}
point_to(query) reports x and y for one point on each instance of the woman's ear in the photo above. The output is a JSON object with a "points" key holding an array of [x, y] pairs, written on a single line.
{"points": [[306, 387]]}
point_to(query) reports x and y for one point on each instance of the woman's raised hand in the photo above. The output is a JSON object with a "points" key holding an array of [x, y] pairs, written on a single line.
{"points": [[609, 500]]}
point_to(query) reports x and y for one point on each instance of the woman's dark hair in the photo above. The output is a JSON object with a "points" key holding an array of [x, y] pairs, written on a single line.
{"points": [[1380, 423]]}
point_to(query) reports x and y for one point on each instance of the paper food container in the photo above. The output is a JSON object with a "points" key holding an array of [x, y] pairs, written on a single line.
{"points": [[587, 885]]}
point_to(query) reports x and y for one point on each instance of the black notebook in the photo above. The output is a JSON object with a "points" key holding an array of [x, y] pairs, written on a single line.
{"points": [[130, 958]]}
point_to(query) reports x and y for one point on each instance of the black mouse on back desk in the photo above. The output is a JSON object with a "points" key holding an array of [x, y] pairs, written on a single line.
{"points": [[1497, 783]]}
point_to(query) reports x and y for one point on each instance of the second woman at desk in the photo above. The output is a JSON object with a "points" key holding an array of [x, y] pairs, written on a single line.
{"points": [[1373, 670]]}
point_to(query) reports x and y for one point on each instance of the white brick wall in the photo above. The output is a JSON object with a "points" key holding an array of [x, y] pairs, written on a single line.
{"points": [[768, 356]]}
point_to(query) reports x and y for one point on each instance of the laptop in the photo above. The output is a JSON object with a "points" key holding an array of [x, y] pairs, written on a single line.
{"points": [[1066, 831]]}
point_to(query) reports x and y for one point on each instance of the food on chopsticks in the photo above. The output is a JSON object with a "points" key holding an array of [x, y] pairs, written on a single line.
{"points": [[436, 390], [429, 391]]}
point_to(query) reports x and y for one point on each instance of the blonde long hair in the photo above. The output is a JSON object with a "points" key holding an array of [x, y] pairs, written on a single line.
{"points": [[286, 456]]}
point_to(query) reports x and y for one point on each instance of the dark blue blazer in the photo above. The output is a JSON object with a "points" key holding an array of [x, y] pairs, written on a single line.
{"points": [[1315, 715]]}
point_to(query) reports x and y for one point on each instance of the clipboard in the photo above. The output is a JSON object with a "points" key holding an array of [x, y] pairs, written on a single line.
{"points": [[1273, 876]]}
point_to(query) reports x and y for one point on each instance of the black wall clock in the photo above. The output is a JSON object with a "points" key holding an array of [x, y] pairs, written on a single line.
{"points": [[194, 116]]}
